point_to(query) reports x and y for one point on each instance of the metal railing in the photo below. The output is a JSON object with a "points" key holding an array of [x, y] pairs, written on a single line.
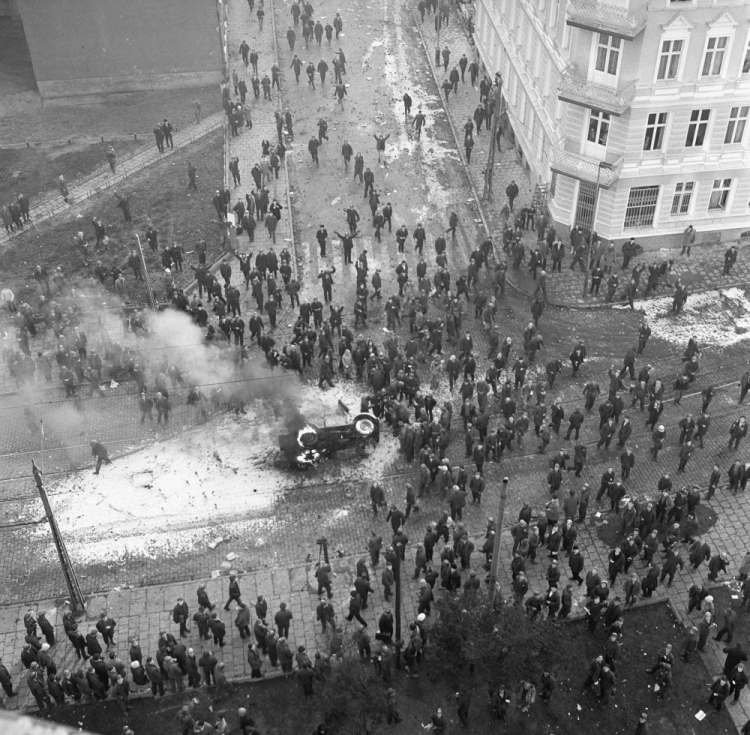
{"points": [[583, 168], [605, 18], [78, 140], [84, 186], [578, 91]]}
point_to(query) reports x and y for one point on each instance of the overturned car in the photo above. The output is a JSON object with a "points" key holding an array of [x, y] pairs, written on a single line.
{"points": [[312, 444]]}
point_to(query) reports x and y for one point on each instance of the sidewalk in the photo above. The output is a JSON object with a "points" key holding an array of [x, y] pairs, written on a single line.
{"points": [[702, 271], [247, 146], [460, 107], [53, 203]]}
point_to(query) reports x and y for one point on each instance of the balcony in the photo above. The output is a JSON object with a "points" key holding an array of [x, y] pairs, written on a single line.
{"points": [[578, 91], [583, 168], [604, 18]]}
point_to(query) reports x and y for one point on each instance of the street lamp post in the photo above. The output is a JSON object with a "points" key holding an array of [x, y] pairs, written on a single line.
{"points": [[438, 23], [496, 546], [498, 111], [151, 300], [397, 577]]}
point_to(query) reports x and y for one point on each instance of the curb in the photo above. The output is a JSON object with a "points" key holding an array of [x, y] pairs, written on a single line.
{"points": [[518, 290]]}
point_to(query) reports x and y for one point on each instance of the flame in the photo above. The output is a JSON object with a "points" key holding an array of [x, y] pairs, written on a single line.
{"points": [[308, 458]]}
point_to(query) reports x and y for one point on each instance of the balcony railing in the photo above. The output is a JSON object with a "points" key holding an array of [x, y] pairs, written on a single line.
{"points": [[583, 168], [578, 91], [604, 18]]}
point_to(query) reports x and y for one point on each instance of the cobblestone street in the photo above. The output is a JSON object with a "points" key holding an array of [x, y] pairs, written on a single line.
{"points": [[273, 547]]}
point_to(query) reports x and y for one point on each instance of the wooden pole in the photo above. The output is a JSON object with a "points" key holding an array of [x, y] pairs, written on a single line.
{"points": [[77, 603]]}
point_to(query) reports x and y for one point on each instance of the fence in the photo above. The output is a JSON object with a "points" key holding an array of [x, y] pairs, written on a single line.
{"points": [[85, 187], [78, 139]]}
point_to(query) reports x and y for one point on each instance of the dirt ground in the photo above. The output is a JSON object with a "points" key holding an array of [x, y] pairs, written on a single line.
{"points": [[161, 197], [34, 171], [279, 708], [24, 118]]}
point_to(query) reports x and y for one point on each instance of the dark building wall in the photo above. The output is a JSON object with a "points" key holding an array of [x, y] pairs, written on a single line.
{"points": [[82, 47], [9, 9]]}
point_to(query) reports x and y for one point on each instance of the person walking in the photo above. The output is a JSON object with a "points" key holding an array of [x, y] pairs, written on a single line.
{"points": [[738, 681], [234, 591], [355, 608], [720, 690]]}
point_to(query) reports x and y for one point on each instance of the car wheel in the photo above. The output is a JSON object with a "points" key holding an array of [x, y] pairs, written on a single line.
{"points": [[308, 437], [364, 425]]}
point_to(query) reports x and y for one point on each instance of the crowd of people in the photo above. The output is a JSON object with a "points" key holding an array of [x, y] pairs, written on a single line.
{"points": [[404, 380]]}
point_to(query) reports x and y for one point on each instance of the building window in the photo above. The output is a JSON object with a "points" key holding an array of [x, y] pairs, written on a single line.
{"points": [[656, 125], [641, 206], [697, 128], [746, 60], [683, 193], [713, 60], [736, 125], [608, 54], [598, 127], [669, 59], [720, 194]]}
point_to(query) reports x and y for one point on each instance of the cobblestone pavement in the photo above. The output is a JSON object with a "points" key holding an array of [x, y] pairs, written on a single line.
{"points": [[54, 204], [701, 271], [282, 566]]}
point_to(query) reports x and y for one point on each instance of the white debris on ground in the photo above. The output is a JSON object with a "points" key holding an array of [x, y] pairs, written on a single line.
{"points": [[216, 482], [718, 318], [394, 51]]}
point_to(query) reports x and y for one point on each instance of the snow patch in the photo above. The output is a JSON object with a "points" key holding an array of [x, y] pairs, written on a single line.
{"points": [[219, 482], [719, 318]]}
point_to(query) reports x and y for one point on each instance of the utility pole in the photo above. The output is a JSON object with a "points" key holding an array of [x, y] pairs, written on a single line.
{"points": [[151, 301], [498, 98], [397, 575], [438, 24], [496, 547], [77, 603]]}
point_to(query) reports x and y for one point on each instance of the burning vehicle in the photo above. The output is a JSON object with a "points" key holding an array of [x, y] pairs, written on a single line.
{"points": [[311, 444]]}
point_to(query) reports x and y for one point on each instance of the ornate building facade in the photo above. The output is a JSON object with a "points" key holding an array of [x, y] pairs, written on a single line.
{"points": [[644, 102]]}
